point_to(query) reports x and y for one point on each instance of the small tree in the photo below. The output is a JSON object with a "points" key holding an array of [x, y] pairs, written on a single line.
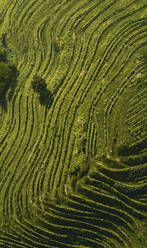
{"points": [[40, 87], [38, 84]]}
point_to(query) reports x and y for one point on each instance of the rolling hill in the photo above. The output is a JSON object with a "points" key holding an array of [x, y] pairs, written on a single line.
{"points": [[73, 150]]}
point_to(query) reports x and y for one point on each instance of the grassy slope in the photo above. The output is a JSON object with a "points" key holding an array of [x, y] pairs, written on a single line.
{"points": [[63, 181]]}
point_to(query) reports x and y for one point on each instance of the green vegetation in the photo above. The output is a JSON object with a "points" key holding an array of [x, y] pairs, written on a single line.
{"points": [[73, 124]]}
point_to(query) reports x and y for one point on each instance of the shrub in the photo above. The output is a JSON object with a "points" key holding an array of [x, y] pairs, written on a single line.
{"points": [[38, 84]]}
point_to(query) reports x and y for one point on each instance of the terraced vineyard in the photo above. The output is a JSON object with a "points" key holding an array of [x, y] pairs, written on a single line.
{"points": [[73, 169]]}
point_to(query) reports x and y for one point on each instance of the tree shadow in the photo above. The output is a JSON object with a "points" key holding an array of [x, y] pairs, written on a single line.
{"points": [[46, 98], [3, 103], [4, 98], [12, 89], [8, 79]]}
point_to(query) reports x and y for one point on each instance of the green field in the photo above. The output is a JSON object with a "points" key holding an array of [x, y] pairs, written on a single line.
{"points": [[73, 156]]}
